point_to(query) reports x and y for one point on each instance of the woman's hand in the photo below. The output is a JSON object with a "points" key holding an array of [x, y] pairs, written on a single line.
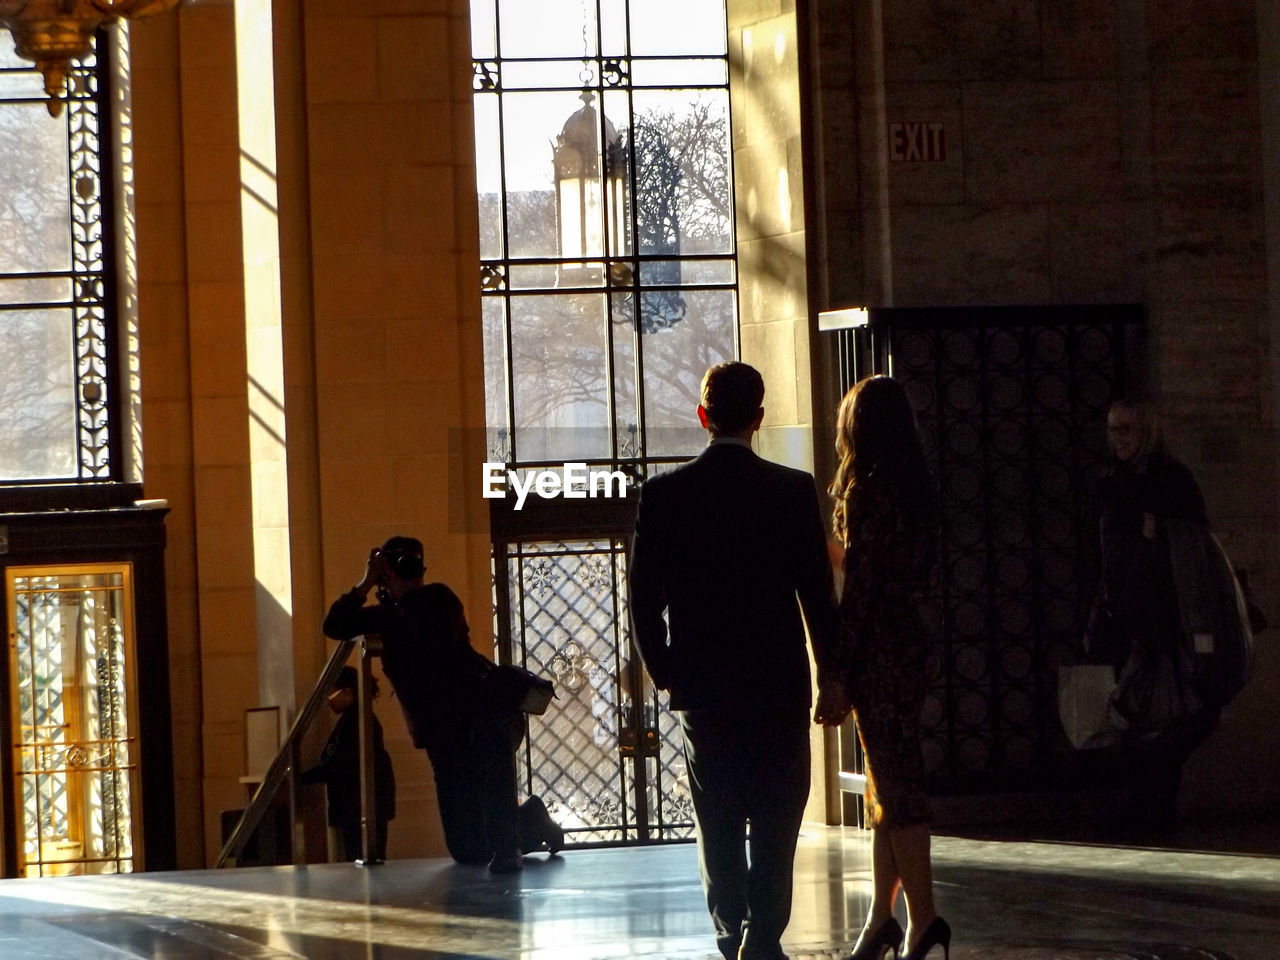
{"points": [[1149, 526], [833, 704]]}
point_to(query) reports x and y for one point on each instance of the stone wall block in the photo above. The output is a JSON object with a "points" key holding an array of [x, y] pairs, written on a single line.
{"points": [[920, 39], [341, 58], [945, 256], [1205, 252], [313, 9], [206, 33], [159, 166], [221, 435], [421, 345], [1195, 35], [414, 55], [362, 285], [212, 305], [354, 136], [772, 278], [1226, 381], [771, 349], [348, 213], [1080, 38], [743, 13], [350, 351], [169, 418], [1209, 357], [365, 497], [221, 555], [213, 244], [768, 70], [1094, 252], [762, 189], [1206, 144], [961, 39], [163, 264], [1039, 140], [210, 116], [417, 210], [835, 44], [415, 497]]}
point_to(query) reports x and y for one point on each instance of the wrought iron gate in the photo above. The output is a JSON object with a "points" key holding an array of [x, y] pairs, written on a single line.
{"points": [[606, 757], [1012, 405]]}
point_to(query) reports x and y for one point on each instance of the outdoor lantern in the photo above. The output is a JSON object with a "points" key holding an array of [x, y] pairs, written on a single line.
{"points": [[55, 32], [589, 180]]}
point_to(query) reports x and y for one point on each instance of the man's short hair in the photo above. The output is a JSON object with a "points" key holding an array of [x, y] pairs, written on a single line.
{"points": [[732, 393]]}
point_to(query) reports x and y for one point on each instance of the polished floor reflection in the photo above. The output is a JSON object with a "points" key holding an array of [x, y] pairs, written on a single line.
{"points": [[1005, 900]]}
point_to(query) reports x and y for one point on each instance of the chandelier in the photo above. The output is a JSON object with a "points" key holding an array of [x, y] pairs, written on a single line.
{"points": [[55, 32]]}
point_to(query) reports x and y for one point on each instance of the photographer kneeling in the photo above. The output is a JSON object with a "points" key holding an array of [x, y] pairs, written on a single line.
{"points": [[438, 677]]}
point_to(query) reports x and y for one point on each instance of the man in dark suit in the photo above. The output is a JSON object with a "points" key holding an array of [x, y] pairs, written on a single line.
{"points": [[725, 545]]}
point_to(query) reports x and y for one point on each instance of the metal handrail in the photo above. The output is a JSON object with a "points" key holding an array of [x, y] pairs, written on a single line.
{"points": [[285, 763]]}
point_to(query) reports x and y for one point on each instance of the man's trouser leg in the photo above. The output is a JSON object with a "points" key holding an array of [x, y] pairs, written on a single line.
{"points": [[775, 802], [712, 756], [458, 795], [494, 743]]}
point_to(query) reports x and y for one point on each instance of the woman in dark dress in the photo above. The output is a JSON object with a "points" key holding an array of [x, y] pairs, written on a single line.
{"points": [[886, 515], [1135, 623]]}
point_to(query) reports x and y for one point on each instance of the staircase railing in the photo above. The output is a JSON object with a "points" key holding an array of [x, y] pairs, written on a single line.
{"points": [[286, 765]]}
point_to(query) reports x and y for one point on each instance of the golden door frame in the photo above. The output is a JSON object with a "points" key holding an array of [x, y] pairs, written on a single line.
{"points": [[72, 754]]}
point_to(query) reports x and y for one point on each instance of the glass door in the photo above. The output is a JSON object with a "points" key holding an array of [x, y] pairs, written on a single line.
{"points": [[73, 719]]}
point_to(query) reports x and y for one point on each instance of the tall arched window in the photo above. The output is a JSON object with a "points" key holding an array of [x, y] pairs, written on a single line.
{"points": [[58, 383]]}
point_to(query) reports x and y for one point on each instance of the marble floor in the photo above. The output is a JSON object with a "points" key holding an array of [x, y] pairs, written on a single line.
{"points": [[1005, 901]]}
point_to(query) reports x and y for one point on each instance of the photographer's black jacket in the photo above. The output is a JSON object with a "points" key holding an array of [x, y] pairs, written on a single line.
{"points": [[427, 656]]}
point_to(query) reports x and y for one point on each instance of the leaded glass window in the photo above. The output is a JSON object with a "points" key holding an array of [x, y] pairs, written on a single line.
{"points": [[57, 353], [608, 275]]}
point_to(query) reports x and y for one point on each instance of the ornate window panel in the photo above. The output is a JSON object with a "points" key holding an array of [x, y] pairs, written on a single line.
{"points": [[58, 383]]}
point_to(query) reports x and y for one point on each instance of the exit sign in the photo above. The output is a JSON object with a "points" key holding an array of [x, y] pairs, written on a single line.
{"points": [[921, 141]]}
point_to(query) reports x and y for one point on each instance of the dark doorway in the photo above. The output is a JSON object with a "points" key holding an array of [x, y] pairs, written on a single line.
{"points": [[1012, 405]]}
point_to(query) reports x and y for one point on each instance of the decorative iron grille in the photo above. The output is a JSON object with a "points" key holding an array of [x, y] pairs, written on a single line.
{"points": [[568, 611], [1012, 407], [58, 382]]}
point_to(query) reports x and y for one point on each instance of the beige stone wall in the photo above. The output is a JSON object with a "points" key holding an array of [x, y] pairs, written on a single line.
{"points": [[1097, 152], [164, 356], [774, 323], [394, 268], [378, 340]]}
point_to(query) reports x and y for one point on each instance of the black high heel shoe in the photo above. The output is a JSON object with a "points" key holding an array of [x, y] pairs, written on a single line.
{"points": [[937, 934], [887, 936]]}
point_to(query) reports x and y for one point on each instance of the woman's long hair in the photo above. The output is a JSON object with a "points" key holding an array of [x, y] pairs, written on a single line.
{"points": [[877, 438]]}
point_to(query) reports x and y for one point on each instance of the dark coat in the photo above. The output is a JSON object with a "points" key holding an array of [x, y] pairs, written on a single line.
{"points": [[427, 656], [1137, 601], [725, 544], [339, 770]]}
